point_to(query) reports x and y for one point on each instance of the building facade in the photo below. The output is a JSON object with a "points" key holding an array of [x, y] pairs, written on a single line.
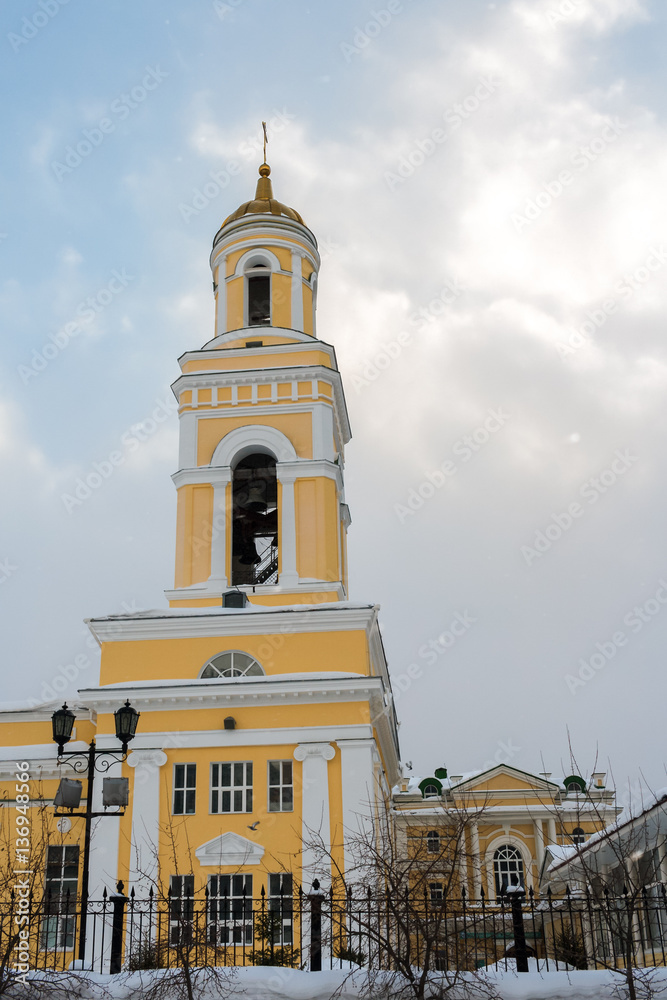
{"points": [[266, 723]]}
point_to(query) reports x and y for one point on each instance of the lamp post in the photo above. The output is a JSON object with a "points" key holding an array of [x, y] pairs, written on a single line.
{"points": [[85, 763]]}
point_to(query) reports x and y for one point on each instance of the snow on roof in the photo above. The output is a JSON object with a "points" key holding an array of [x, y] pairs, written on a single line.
{"points": [[220, 612], [306, 676], [29, 705], [39, 751]]}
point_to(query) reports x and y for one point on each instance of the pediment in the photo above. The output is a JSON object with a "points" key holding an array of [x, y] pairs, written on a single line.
{"points": [[504, 777], [229, 849]]}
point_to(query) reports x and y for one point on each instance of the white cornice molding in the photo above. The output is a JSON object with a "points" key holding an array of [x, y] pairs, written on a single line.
{"points": [[256, 376], [181, 623], [264, 230], [210, 589], [209, 694], [305, 345], [221, 475]]}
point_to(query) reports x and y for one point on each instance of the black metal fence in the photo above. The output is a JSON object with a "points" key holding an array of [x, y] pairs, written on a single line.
{"points": [[580, 930]]}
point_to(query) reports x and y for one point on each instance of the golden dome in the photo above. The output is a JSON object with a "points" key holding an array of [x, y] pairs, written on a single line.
{"points": [[264, 202]]}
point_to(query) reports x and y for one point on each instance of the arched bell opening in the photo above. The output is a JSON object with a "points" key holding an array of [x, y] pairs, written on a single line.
{"points": [[255, 521]]}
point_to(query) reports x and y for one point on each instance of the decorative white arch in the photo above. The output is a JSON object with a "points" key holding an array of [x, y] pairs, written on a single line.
{"points": [[512, 841], [253, 438], [261, 253]]}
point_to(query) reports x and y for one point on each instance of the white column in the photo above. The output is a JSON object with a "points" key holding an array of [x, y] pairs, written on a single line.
{"points": [[221, 324], [297, 292], [221, 480], [539, 845], [551, 830], [315, 823], [287, 538], [104, 843], [476, 861], [145, 819], [359, 796]]}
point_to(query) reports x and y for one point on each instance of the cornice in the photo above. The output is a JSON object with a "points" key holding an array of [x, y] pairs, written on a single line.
{"points": [[205, 695], [311, 344], [216, 475], [216, 622]]}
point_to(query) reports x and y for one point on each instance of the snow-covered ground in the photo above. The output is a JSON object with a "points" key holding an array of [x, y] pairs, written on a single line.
{"points": [[265, 983]]}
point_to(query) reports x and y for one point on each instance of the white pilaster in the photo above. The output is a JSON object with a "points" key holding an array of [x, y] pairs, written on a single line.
{"points": [[221, 324], [287, 537], [187, 440], [145, 818], [315, 822], [221, 480], [323, 432], [359, 795], [539, 844], [297, 292], [476, 861]]}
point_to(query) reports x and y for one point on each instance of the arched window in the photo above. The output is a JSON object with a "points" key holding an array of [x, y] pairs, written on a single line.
{"points": [[578, 835], [258, 291], [507, 868], [255, 521], [433, 842], [231, 664]]}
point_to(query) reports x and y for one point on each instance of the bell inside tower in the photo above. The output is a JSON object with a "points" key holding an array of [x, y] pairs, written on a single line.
{"points": [[255, 521]]}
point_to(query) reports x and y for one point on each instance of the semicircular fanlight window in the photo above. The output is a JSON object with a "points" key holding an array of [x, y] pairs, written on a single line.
{"points": [[231, 664]]}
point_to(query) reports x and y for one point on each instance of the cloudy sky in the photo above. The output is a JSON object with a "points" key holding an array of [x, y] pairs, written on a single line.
{"points": [[487, 183]]}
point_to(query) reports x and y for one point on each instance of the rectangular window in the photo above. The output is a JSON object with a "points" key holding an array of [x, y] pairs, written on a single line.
{"points": [[58, 928], [230, 909], [281, 786], [181, 909], [281, 908], [231, 787], [185, 785]]}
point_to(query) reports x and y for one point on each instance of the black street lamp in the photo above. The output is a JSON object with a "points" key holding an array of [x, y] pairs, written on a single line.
{"points": [[86, 762]]}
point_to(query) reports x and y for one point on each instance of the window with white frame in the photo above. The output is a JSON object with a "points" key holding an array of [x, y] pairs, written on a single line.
{"points": [[433, 842], [230, 909], [231, 787], [281, 786], [185, 787], [58, 928], [231, 664], [281, 908], [435, 892], [181, 909], [507, 868]]}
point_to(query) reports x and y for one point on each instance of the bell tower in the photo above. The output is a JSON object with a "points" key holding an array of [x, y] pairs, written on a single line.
{"points": [[263, 425]]}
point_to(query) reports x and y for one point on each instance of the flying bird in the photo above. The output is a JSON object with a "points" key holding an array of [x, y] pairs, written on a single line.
{"points": [[253, 826]]}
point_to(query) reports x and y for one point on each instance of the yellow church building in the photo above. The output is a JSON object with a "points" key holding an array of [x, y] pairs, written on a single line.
{"points": [[266, 719]]}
